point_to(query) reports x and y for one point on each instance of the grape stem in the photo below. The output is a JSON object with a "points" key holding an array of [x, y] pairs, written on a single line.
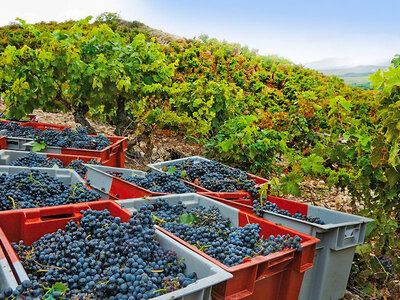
{"points": [[13, 201], [45, 266], [160, 291]]}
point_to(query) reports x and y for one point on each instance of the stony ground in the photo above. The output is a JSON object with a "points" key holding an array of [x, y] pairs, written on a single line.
{"points": [[166, 147]]}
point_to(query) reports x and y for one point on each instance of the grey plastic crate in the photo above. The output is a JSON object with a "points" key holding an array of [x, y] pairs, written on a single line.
{"points": [[158, 166], [18, 143], [98, 178], [208, 274], [66, 176], [7, 279], [340, 235], [190, 200], [8, 156], [49, 149]]}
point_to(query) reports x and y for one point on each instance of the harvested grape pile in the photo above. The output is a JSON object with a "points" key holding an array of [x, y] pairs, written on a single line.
{"points": [[30, 188], [13, 129], [215, 176], [208, 230], [69, 138], [33, 159], [260, 206], [160, 182], [101, 258]]}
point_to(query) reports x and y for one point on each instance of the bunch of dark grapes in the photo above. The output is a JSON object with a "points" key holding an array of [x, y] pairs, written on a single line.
{"points": [[30, 188], [160, 182], [69, 138], [387, 265], [216, 177], [33, 159], [273, 207], [101, 258], [15, 130], [213, 234], [79, 166]]}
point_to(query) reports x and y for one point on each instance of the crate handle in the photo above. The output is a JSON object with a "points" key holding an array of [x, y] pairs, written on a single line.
{"points": [[49, 214], [347, 236], [115, 148], [349, 233], [280, 260], [57, 216]]}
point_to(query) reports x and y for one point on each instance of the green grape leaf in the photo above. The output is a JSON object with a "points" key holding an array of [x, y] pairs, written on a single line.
{"points": [[377, 153], [38, 146], [313, 163], [345, 104], [187, 219], [171, 170], [370, 228], [393, 176], [59, 287], [289, 184]]}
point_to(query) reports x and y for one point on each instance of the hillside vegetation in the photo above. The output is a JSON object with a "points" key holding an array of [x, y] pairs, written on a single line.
{"points": [[260, 113]]}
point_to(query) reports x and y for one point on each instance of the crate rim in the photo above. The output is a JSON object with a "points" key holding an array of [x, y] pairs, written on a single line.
{"points": [[121, 179], [121, 139], [324, 227]]}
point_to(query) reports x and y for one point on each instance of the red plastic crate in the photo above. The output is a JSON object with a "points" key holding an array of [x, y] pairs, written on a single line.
{"points": [[113, 155], [44, 126], [275, 276], [32, 117], [283, 271], [113, 185], [3, 142], [31, 224], [67, 159], [246, 205]]}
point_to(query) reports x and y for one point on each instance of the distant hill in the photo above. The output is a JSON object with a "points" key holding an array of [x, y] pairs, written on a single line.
{"points": [[360, 70], [354, 76]]}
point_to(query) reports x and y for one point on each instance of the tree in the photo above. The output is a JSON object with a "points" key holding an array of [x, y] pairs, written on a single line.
{"points": [[84, 68]]}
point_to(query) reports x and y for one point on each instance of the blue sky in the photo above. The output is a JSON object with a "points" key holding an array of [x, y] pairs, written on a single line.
{"points": [[339, 32]]}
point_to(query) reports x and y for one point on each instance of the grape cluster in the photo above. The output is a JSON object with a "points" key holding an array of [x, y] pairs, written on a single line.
{"points": [[213, 234], [69, 138], [33, 160], [101, 257], [15, 130], [79, 166], [387, 265], [159, 182], [273, 207], [30, 188], [215, 176]]}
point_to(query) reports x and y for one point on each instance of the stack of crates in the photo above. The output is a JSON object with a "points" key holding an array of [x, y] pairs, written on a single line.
{"points": [[320, 271]]}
